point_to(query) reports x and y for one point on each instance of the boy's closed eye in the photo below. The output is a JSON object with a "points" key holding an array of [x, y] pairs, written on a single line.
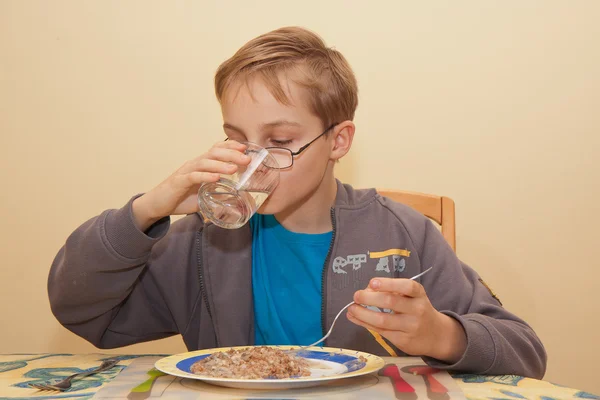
{"points": [[280, 142]]}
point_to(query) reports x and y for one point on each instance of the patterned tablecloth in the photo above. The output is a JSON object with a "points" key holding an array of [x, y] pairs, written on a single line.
{"points": [[17, 371]]}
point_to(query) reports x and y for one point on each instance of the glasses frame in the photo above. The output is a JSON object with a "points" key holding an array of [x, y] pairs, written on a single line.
{"points": [[300, 150]]}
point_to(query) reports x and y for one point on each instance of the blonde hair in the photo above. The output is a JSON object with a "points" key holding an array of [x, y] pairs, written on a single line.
{"points": [[322, 71]]}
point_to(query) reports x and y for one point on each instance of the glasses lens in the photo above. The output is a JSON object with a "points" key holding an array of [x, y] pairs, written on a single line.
{"points": [[282, 156]]}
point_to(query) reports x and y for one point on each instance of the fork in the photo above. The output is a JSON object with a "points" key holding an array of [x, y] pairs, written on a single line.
{"points": [[66, 383], [340, 313]]}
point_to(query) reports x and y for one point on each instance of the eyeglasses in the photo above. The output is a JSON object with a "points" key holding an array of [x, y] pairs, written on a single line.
{"points": [[285, 157]]}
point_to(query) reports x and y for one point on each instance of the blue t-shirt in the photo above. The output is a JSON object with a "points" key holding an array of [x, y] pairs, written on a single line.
{"points": [[287, 270]]}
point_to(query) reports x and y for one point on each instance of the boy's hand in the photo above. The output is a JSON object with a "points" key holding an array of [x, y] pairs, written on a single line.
{"points": [[178, 193], [415, 327]]}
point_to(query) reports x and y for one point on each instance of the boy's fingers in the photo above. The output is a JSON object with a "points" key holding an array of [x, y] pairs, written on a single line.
{"points": [[218, 154], [385, 300], [406, 287], [195, 178], [231, 144], [357, 321], [216, 166], [228, 155], [379, 320]]}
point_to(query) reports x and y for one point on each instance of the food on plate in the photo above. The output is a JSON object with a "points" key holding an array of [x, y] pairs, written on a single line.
{"points": [[252, 363]]}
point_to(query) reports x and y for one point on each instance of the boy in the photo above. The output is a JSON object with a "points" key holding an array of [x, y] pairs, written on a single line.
{"points": [[127, 276]]}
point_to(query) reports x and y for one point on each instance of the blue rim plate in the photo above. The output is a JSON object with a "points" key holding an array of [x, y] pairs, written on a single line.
{"points": [[326, 364]]}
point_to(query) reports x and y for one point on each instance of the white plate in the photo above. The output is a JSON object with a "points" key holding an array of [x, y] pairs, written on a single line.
{"points": [[326, 364]]}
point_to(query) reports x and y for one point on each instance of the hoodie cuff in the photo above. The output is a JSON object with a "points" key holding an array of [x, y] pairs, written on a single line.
{"points": [[125, 238], [480, 354]]}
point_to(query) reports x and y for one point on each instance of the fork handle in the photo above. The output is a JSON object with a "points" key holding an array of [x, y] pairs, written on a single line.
{"points": [[92, 372]]}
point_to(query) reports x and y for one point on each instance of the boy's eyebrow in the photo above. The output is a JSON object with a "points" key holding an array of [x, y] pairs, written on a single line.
{"points": [[264, 126], [233, 128], [278, 123]]}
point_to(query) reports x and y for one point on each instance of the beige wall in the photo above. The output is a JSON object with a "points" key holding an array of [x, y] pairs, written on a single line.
{"points": [[496, 104]]}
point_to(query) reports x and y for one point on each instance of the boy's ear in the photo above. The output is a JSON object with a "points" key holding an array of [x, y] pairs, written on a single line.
{"points": [[343, 134]]}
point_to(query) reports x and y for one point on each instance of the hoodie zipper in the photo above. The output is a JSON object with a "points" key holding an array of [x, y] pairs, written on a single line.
{"points": [[324, 277], [201, 280]]}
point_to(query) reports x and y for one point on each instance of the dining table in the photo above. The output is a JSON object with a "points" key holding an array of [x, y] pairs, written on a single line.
{"points": [[134, 377]]}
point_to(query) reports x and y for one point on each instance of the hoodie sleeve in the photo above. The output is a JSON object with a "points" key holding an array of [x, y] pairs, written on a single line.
{"points": [[106, 283], [498, 342]]}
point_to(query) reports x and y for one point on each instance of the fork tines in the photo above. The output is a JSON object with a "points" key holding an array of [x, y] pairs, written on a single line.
{"points": [[45, 387]]}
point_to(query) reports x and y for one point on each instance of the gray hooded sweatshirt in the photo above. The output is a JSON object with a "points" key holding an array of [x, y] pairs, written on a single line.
{"points": [[115, 285]]}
